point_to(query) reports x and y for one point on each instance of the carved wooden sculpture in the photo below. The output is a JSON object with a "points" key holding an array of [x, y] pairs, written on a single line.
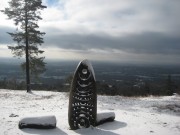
{"points": [[83, 97]]}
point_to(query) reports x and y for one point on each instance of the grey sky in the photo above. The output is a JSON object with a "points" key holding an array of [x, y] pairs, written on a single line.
{"points": [[116, 30]]}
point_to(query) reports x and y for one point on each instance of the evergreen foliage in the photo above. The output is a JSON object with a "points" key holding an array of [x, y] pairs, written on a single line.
{"points": [[26, 14]]}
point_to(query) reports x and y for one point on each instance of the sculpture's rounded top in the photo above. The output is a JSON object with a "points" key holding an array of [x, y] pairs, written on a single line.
{"points": [[88, 64]]}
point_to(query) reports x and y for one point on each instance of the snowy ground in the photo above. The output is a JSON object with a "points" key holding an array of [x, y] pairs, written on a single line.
{"points": [[134, 116]]}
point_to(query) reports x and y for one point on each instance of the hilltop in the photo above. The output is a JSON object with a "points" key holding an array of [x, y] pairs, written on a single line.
{"points": [[134, 115]]}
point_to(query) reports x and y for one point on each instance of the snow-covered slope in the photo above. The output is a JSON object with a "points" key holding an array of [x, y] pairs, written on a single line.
{"points": [[134, 116]]}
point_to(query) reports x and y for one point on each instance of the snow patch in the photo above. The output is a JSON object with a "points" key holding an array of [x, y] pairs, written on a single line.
{"points": [[134, 116]]}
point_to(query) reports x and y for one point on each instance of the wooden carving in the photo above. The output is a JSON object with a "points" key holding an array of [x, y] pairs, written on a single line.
{"points": [[83, 97]]}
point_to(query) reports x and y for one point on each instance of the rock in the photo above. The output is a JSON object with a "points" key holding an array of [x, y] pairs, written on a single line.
{"points": [[43, 122], [13, 115], [105, 117]]}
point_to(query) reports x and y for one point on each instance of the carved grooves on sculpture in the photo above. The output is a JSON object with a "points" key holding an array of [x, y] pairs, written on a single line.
{"points": [[83, 105]]}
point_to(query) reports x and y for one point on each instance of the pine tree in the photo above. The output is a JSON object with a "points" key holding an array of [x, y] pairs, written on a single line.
{"points": [[25, 14]]}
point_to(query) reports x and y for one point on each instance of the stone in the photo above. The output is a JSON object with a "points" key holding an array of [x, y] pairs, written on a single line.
{"points": [[43, 122], [13, 115], [105, 117], [83, 97]]}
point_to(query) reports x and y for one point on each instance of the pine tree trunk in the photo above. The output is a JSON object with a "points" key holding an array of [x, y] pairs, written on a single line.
{"points": [[27, 55]]}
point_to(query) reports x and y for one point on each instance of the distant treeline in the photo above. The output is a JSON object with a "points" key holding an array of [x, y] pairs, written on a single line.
{"points": [[146, 89], [123, 88]]}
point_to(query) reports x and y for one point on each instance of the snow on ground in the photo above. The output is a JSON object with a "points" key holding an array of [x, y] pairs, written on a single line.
{"points": [[134, 116]]}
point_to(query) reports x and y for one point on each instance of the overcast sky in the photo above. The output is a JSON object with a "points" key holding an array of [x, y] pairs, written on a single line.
{"points": [[130, 31]]}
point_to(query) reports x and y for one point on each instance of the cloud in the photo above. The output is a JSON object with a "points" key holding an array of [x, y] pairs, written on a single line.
{"points": [[127, 29], [4, 36], [114, 56], [116, 17], [149, 42], [144, 43]]}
